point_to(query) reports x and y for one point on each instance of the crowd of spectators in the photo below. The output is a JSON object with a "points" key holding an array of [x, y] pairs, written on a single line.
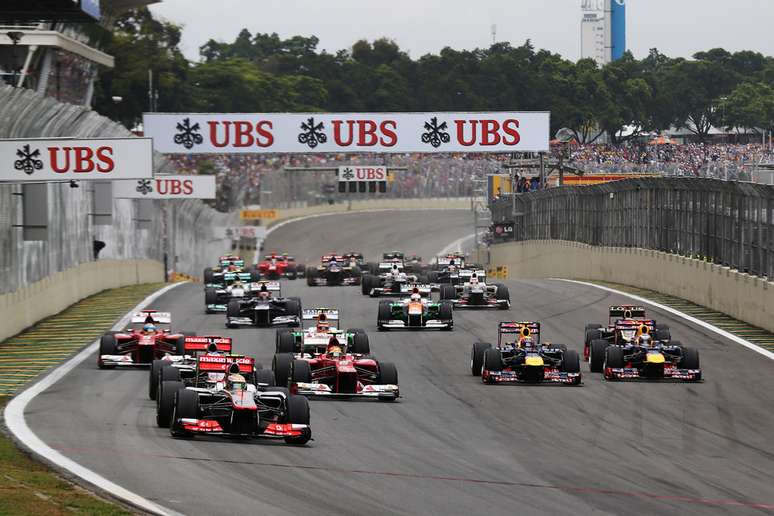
{"points": [[241, 177]]}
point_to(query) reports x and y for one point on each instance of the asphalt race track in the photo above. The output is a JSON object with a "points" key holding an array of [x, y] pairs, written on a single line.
{"points": [[451, 445]]}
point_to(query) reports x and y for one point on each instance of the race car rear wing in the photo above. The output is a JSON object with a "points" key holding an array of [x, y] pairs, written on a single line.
{"points": [[627, 311], [271, 286], [233, 276], [328, 257], [194, 344], [152, 317], [446, 260], [311, 314], [422, 289], [385, 266], [512, 327], [221, 364]]}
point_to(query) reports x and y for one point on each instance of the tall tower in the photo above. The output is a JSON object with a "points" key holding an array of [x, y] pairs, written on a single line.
{"points": [[617, 28], [603, 30]]}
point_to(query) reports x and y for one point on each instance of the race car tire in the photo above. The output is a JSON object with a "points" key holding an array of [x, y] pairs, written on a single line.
{"points": [[366, 284], [360, 344], [286, 342], [185, 406], [282, 365], [662, 333], [233, 308], [477, 357], [384, 314], [293, 306], [107, 346], [302, 371], [291, 272], [614, 357], [277, 336], [445, 311], [372, 268], [432, 276], [166, 401], [570, 361], [690, 359], [210, 296], [448, 291], [154, 374], [592, 334], [301, 270], [208, 275], [388, 373], [493, 360], [311, 274], [597, 355], [169, 373], [298, 414], [502, 292], [180, 345], [264, 376], [255, 275]]}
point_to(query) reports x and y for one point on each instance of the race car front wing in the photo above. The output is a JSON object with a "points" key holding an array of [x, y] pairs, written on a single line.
{"points": [[212, 427], [280, 320], [384, 392], [549, 376], [431, 324], [670, 373]]}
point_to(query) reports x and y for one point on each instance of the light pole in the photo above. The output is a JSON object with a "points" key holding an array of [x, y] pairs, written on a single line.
{"points": [[15, 36]]}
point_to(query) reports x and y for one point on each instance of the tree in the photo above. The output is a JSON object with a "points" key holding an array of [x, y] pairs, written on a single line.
{"points": [[749, 106]]}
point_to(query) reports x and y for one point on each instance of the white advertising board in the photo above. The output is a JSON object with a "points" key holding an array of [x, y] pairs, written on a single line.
{"points": [[166, 187], [64, 159], [348, 132]]}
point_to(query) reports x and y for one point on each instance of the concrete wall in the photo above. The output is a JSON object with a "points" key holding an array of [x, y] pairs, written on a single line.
{"points": [[26, 306], [742, 296]]}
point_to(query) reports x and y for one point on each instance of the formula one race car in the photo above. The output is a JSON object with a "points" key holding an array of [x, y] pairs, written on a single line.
{"points": [[239, 404], [477, 294], [325, 361], [624, 321], [183, 367], [334, 270], [395, 282], [521, 358], [141, 343], [324, 322], [275, 266], [228, 263], [415, 312], [645, 357], [264, 307], [229, 284]]}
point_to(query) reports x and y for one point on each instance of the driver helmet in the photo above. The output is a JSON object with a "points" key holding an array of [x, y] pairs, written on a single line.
{"points": [[323, 326], [645, 340], [264, 294], [416, 296], [237, 382], [149, 328]]}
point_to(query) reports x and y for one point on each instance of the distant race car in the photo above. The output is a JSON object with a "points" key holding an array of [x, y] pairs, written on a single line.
{"points": [[318, 326], [520, 357], [230, 284], [415, 312], [324, 361], [275, 266], [334, 270], [263, 307], [644, 356], [393, 282], [183, 367], [226, 263], [477, 294], [622, 326], [243, 403], [141, 343]]}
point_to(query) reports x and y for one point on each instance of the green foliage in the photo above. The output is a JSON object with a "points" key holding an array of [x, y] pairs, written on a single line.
{"points": [[263, 72]]}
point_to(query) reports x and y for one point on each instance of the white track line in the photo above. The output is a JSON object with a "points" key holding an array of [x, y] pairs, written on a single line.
{"points": [[14, 420], [455, 246], [730, 336]]}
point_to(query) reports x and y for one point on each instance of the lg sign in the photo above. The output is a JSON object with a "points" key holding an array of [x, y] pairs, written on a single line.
{"points": [[360, 132], [65, 159]]}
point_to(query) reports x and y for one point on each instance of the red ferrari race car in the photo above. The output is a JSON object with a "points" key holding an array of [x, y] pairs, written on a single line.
{"points": [[275, 266], [142, 342], [241, 402]]}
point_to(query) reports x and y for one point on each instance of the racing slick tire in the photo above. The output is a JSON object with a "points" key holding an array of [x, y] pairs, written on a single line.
{"points": [[291, 272], [502, 293], [293, 306], [107, 346], [169, 373], [447, 291], [311, 275], [301, 372], [360, 344], [372, 268], [301, 270], [286, 342], [264, 376], [208, 275], [384, 315], [445, 313], [690, 359], [662, 333], [388, 373], [614, 357], [166, 402], [255, 275], [154, 376], [493, 360], [180, 345], [233, 309], [597, 355], [570, 361], [366, 284], [298, 414], [282, 365], [185, 405], [477, 357], [210, 297]]}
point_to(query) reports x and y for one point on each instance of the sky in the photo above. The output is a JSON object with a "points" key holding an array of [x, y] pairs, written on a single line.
{"points": [[675, 27]]}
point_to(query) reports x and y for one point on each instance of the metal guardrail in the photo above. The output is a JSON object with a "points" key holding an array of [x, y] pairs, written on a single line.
{"points": [[727, 223]]}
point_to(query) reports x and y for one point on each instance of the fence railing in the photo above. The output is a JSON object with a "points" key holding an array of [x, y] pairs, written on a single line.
{"points": [[728, 223]]}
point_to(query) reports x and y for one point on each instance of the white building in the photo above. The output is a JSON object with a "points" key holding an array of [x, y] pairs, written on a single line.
{"points": [[595, 31]]}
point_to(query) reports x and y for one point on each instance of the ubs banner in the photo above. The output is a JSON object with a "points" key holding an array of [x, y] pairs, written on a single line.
{"points": [[348, 132], [167, 187], [63, 159]]}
